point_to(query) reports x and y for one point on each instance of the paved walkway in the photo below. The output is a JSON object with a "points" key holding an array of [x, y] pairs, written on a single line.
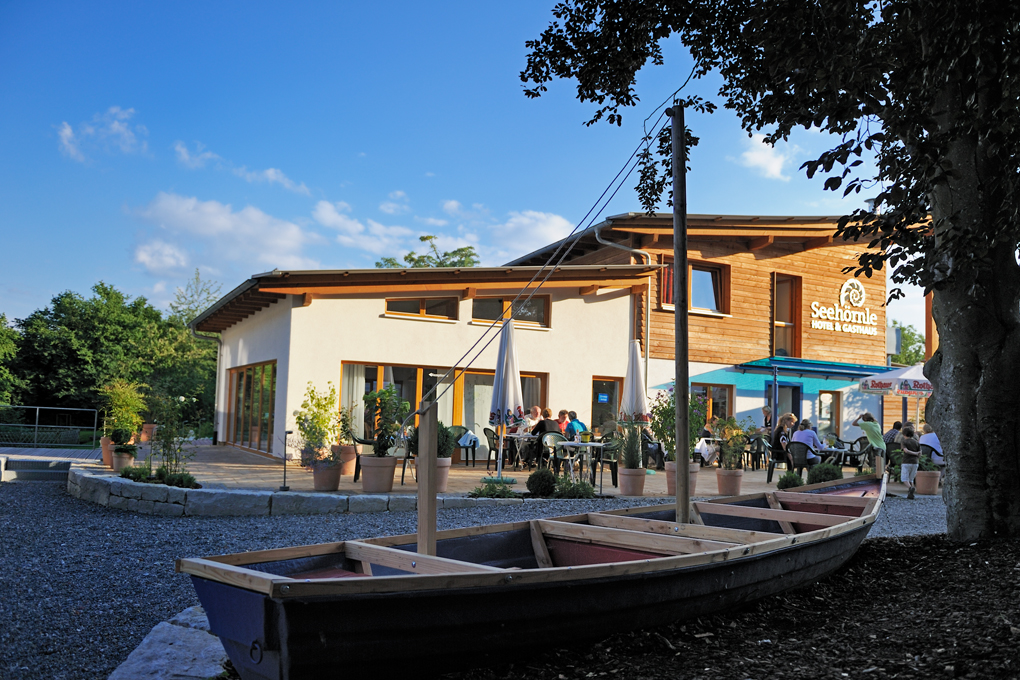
{"points": [[229, 468]]}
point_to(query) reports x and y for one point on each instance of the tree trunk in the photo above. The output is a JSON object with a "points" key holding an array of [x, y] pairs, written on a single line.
{"points": [[975, 408]]}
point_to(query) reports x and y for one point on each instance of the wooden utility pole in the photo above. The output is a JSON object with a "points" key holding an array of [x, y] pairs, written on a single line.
{"points": [[428, 424], [681, 386]]}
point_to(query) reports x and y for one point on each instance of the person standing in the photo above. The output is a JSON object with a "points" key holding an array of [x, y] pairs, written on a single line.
{"points": [[911, 454], [873, 431], [766, 415]]}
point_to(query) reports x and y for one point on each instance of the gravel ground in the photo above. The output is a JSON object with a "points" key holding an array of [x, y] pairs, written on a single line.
{"points": [[84, 584]]}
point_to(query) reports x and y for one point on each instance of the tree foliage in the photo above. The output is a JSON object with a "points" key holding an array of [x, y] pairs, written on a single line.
{"points": [[69, 351], [196, 296], [9, 382], [460, 257], [911, 345], [925, 89]]}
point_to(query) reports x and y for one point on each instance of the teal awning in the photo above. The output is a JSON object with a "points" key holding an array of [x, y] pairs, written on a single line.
{"points": [[807, 367]]}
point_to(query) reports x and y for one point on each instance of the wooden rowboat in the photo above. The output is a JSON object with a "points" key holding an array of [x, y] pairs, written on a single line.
{"points": [[376, 608]]}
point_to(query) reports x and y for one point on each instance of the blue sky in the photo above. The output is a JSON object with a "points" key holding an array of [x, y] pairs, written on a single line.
{"points": [[140, 141]]}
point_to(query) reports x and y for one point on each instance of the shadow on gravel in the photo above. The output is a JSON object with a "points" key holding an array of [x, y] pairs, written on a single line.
{"points": [[915, 607]]}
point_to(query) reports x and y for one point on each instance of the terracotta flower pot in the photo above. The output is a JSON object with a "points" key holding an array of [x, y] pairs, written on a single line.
{"points": [[692, 471], [147, 430], [729, 481], [326, 478], [348, 458], [377, 473], [442, 473], [106, 445], [927, 482], [632, 481], [121, 461]]}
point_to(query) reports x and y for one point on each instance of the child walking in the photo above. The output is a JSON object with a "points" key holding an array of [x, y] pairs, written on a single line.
{"points": [[911, 454]]}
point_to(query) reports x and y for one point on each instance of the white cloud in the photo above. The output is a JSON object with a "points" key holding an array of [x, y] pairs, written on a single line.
{"points": [[68, 143], [524, 232], [396, 205], [194, 160], [432, 221], [160, 258], [110, 131], [766, 159], [248, 236], [370, 236], [451, 207], [272, 176]]}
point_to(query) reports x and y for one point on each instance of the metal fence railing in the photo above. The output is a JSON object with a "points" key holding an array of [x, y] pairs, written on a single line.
{"points": [[46, 426]]}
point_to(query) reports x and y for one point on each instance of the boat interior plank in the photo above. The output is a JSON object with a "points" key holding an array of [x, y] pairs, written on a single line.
{"points": [[822, 499], [658, 526], [776, 505], [412, 562], [627, 538], [541, 549], [813, 518]]}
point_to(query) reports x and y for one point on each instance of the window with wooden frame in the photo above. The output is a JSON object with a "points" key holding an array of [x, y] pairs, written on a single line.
{"points": [[785, 315], [708, 287], [718, 397], [250, 406], [829, 412], [533, 312], [433, 308]]}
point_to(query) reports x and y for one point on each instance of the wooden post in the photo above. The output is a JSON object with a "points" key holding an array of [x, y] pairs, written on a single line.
{"points": [[681, 386], [426, 465]]}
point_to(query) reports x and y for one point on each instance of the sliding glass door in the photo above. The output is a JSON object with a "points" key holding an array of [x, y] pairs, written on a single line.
{"points": [[250, 416]]}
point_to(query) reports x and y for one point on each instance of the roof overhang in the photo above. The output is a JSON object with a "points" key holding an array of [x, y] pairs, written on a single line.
{"points": [[262, 290], [753, 232]]}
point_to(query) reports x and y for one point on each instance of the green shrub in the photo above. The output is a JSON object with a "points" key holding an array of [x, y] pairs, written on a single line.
{"points": [[183, 480], [120, 436], [926, 464], [826, 472], [568, 489], [138, 473], [789, 480], [445, 441], [542, 483], [894, 473], [493, 490]]}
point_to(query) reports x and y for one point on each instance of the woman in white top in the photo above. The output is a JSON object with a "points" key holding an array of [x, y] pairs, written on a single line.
{"points": [[806, 435], [929, 438]]}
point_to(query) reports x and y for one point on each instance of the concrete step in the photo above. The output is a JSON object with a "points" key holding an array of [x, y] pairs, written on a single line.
{"points": [[33, 470]]}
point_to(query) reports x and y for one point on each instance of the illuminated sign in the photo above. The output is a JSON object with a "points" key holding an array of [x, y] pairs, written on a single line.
{"points": [[846, 316]]}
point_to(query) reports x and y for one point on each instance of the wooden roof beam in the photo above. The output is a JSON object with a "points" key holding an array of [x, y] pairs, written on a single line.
{"points": [[760, 242], [821, 242], [587, 290]]}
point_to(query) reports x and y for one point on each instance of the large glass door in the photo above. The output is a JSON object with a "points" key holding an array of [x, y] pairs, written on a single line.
{"points": [[251, 406]]}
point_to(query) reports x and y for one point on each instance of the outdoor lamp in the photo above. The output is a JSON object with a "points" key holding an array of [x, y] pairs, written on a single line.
{"points": [[285, 487]]}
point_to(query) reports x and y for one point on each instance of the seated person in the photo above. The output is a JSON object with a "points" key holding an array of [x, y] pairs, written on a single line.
{"points": [[890, 436], [547, 424], [709, 452], [929, 438], [574, 427], [562, 420], [706, 432], [652, 450], [533, 418], [781, 437], [806, 435]]}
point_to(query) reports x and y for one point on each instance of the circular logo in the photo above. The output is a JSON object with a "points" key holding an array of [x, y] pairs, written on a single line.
{"points": [[852, 293]]}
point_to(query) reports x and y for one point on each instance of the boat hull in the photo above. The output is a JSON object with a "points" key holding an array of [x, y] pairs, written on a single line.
{"points": [[384, 634]]}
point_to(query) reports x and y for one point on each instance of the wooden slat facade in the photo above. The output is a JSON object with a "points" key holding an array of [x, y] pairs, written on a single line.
{"points": [[744, 334]]}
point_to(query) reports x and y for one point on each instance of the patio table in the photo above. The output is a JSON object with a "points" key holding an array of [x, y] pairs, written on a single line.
{"points": [[585, 452]]}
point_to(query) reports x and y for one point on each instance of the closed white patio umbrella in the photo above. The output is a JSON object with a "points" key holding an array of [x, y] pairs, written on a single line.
{"points": [[507, 403], [634, 405]]}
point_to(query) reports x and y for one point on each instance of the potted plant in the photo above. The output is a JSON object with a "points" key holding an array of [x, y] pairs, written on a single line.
{"points": [[733, 437], [663, 424], [632, 476], [346, 449], [124, 403], [926, 481], [319, 426], [445, 444], [123, 456], [388, 411]]}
